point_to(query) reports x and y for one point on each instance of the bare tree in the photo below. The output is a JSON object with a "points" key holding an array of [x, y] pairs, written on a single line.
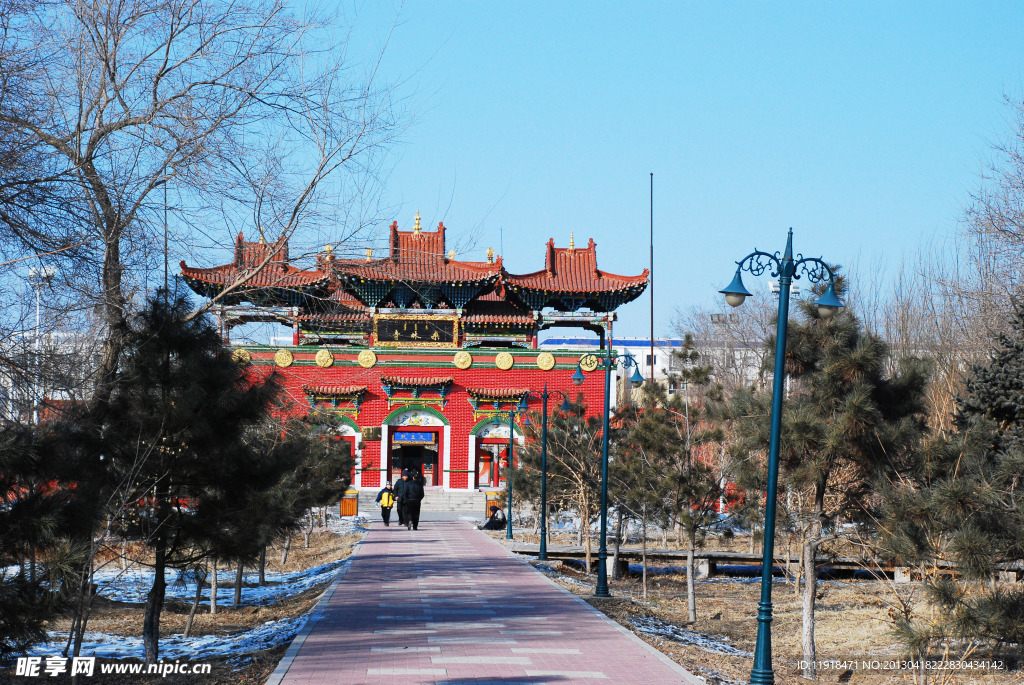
{"points": [[248, 113]]}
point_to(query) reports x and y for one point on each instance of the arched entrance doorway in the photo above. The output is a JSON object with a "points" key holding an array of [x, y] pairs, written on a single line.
{"points": [[488, 443], [417, 439]]}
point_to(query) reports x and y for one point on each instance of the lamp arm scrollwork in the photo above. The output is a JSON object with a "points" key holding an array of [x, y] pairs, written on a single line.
{"points": [[757, 262], [814, 268]]}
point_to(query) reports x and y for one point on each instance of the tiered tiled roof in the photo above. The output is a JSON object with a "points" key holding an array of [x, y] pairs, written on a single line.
{"points": [[418, 257], [570, 278], [257, 267], [418, 273], [494, 309]]}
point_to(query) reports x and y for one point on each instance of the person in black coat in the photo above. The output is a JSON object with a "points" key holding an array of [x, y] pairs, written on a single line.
{"points": [[411, 498], [496, 521], [399, 490]]}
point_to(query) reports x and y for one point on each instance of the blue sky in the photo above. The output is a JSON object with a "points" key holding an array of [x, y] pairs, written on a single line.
{"points": [[862, 125]]}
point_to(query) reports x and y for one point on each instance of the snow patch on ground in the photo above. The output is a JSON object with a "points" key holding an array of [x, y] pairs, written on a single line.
{"points": [[133, 585], [669, 631], [551, 571], [270, 635]]}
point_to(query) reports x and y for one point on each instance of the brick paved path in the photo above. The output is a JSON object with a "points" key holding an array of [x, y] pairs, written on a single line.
{"points": [[447, 604]]}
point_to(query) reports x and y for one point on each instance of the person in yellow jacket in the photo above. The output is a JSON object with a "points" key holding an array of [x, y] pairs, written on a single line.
{"points": [[386, 500]]}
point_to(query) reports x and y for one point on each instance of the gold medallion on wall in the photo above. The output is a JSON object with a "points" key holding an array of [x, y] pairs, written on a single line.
{"points": [[284, 358], [589, 362], [462, 360], [545, 361], [367, 359], [504, 361], [324, 359], [241, 356]]}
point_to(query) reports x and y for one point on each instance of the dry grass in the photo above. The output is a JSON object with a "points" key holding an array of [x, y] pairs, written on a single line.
{"points": [[852, 622], [120, 618]]}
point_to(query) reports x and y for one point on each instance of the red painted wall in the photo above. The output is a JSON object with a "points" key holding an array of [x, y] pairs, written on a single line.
{"points": [[457, 410]]}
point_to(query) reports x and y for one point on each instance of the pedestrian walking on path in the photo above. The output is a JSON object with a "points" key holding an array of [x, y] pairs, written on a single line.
{"points": [[399, 489], [411, 498], [386, 500], [452, 606]]}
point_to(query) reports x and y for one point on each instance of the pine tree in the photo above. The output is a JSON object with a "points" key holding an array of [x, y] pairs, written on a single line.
{"points": [[957, 506], [30, 521], [846, 420], [660, 459], [574, 465], [171, 436]]}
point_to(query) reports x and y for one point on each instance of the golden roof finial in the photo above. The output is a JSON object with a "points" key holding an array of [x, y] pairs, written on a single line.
{"points": [[572, 242], [416, 228], [262, 240], [369, 253], [451, 254], [328, 248], [490, 255]]}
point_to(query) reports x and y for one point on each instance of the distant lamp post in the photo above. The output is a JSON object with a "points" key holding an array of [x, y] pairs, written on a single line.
{"points": [[542, 552], [786, 269], [607, 360], [37, 278], [510, 415]]}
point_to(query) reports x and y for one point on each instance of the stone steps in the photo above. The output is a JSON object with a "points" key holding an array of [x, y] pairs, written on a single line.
{"points": [[457, 501]]}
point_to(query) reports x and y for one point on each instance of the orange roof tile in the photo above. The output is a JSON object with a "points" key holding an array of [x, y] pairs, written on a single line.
{"points": [[574, 270], [497, 392], [421, 382], [418, 257], [333, 389]]}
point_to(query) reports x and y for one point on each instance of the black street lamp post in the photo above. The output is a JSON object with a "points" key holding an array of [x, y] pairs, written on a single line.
{"points": [[785, 268], [607, 360], [542, 553]]}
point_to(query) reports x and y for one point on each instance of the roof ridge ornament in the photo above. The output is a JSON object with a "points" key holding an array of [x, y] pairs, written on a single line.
{"points": [[263, 240], [490, 255], [572, 241], [416, 227]]}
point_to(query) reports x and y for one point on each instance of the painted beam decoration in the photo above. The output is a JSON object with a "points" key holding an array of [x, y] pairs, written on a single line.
{"points": [[420, 355]]}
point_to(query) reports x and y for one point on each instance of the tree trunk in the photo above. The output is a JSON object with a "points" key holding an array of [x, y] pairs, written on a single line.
{"points": [[155, 605], [799, 567], [195, 601], [691, 593], [238, 583], [263, 565], [287, 547], [309, 526], [585, 525], [643, 549], [810, 587], [213, 585], [618, 543]]}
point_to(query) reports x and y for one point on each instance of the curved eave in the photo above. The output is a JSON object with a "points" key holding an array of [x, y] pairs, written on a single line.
{"points": [[419, 281]]}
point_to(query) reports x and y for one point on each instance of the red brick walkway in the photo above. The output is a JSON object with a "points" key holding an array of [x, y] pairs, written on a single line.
{"points": [[447, 604]]}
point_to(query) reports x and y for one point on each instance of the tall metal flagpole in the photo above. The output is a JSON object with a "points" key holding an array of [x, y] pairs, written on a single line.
{"points": [[650, 277]]}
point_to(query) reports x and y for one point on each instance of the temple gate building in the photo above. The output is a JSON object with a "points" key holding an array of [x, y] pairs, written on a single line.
{"points": [[419, 354]]}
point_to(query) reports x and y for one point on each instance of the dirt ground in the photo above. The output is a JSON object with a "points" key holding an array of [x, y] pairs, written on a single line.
{"points": [[852, 623], [120, 618]]}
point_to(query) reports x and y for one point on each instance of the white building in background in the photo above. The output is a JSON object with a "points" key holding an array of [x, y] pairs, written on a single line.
{"points": [[736, 362]]}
